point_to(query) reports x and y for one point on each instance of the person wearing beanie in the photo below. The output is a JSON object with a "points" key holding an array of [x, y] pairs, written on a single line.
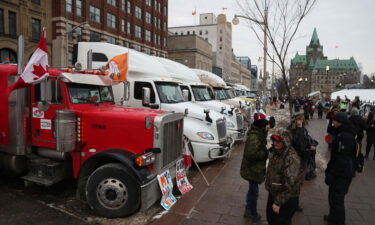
{"points": [[339, 170], [253, 166]]}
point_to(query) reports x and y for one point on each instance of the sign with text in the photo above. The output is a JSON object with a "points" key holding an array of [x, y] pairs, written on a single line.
{"points": [[182, 181], [166, 187]]}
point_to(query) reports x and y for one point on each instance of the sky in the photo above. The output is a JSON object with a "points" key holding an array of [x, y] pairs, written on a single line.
{"points": [[347, 24]]}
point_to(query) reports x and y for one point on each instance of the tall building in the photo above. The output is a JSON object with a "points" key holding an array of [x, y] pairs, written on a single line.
{"points": [[138, 24], [315, 72], [218, 32], [23, 17]]}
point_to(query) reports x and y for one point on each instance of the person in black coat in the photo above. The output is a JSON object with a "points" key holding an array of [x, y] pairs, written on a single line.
{"points": [[339, 168], [320, 110], [370, 132], [331, 130], [359, 124]]}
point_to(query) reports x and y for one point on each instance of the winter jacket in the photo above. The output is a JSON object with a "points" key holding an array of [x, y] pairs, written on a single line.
{"points": [[284, 174], [370, 132], [301, 142], [359, 124], [253, 166], [342, 154]]}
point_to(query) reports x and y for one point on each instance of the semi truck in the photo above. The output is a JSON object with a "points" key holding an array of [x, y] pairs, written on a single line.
{"points": [[69, 126], [205, 131]]}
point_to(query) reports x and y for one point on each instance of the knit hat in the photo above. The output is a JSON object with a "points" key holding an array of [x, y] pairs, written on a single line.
{"points": [[341, 117], [261, 123]]}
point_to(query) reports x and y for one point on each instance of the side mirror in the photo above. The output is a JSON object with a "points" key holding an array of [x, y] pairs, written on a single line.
{"points": [[126, 91], [45, 94], [186, 95], [145, 96]]}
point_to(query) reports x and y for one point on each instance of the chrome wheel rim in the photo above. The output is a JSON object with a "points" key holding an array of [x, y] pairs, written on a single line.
{"points": [[112, 193]]}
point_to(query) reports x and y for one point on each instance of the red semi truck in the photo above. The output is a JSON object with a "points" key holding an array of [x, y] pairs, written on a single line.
{"points": [[69, 126]]}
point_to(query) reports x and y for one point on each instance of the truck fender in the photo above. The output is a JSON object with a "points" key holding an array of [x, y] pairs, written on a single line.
{"points": [[109, 156]]}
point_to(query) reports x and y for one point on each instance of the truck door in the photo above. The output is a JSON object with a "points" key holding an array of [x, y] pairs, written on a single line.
{"points": [[43, 121]]}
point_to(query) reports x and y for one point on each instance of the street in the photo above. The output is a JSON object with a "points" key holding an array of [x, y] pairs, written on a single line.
{"points": [[222, 202]]}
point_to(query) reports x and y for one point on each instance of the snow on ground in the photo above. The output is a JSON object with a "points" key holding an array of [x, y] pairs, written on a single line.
{"points": [[364, 94]]}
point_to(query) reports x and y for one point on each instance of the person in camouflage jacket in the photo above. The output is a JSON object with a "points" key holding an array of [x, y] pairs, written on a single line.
{"points": [[253, 166], [283, 180]]}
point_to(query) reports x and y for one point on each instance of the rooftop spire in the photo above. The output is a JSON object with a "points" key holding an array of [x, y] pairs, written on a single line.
{"points": [[315, 38]]}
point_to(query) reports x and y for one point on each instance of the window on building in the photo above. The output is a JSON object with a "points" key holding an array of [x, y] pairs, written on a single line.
{"points": [[155, 39], [12, 17], [128, 28], [159, 7], [111, 2], [165, 10], [123, 5], [221, 39], [159, 39], [36, 29], [68, 6], [36, 1], [1, 21], [138, 12], [188, 33], [137, 48], [148, 2], [165, 26], [148, 17], [206, 31], [221, 31], [95, 36], [200, 32], [111, 40], [79, 7], [69, 31], [148, 36], [79, 33], [138, 31], [129, 7], [165, 42], [111, 20], [148, 51], [94, 14], [122, 25], [156, 22], [159, 23]]}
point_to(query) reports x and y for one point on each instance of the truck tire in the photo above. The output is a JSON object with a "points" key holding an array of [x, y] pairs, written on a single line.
{"points": [[111, 192]]}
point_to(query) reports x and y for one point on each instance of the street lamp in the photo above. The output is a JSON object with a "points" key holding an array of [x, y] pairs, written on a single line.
{"points": [[85, 26], [327, 70], [236, 21]]}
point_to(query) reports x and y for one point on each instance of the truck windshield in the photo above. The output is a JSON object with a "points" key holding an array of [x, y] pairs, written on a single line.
{"points": [[220, 94], [83, 93], [169, 92], [230, 93], [201, 93], [251, 95]]}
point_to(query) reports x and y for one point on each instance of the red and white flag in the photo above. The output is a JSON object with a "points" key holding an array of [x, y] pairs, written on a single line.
{"points": [[36, 69], [225, 8], [194, 13]]}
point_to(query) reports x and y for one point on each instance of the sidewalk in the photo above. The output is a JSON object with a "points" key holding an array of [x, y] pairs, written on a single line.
{"points": [[224, 201]]}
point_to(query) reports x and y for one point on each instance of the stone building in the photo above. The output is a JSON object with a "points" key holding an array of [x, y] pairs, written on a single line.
{"points": [[190, 50], [218, 32], [27, 18], [315, 72]]}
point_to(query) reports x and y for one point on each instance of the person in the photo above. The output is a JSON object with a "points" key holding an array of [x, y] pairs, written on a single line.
{"points": [[253, 166], [320, 110], [306, 111], [359, 124], [339, 168], [330, 128], [370, 132], [311, 109], [259, 113], [283, 180]]}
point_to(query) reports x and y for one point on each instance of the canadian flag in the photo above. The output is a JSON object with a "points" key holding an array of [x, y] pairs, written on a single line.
{"points": [[194, 13], [186, 153], [36, 69]]}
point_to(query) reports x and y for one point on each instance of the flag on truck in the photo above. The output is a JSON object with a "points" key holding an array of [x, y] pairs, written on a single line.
{"points": [[118, 67], [36, 69]]}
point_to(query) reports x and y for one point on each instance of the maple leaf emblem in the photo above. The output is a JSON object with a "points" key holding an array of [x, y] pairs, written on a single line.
{"points": [[39, 71]]}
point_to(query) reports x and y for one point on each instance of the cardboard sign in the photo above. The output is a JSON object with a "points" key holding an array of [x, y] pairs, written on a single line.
{"points": [[166, 187], [182, 181], [38, 113], [45, 124]]}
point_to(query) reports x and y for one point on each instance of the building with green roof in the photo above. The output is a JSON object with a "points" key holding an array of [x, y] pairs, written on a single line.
{"points": [[315, 72]]}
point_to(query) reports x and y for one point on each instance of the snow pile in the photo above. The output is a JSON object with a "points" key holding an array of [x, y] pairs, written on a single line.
{"points": [[364, 94]]}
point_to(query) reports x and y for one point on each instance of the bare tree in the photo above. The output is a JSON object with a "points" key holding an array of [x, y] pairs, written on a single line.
{"points": [[281, 20]]}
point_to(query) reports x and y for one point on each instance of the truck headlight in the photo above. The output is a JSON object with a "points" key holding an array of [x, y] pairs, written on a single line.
{"points": [[205, 135], [230, 124]]}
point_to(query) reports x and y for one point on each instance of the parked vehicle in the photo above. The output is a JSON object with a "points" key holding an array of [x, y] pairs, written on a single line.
{"points": [[69, 126], [199, 93], [205, 131]]}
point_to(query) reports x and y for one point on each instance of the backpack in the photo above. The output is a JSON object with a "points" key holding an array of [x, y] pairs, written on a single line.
{"points": [[359, 161]]}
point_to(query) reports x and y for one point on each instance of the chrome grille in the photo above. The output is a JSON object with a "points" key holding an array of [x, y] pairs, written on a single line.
{"points": [[221, 128], [239, 118], [172, 141]]}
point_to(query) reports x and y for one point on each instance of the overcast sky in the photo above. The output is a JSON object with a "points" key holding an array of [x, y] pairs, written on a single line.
{"points": [[348, 24]]}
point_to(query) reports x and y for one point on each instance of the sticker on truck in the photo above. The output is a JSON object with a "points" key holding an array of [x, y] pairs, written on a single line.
{"points": [[45, 124], [37, 113]]}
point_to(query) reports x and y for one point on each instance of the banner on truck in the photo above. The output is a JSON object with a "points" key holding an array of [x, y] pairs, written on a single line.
{"points": [[166, 187]]}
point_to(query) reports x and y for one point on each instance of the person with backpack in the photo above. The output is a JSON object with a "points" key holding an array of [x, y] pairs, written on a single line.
{"points": [[339, 168], [253, 166]]}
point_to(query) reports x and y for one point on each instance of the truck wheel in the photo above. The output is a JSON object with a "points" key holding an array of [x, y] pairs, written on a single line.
{"points": [[112, 192]]}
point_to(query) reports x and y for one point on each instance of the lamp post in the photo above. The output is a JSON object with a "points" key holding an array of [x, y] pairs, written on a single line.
{"points": [[85, 25], [236, 21], [327, 88]]}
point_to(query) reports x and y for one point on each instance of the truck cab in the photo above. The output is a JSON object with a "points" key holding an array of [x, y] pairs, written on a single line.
{"points": [[205, 131], [70, 126]]}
